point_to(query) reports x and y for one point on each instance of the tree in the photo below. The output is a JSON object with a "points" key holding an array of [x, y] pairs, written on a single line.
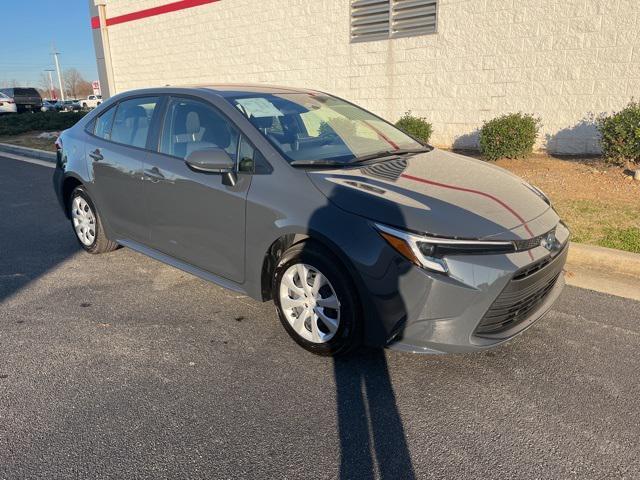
{"points": [[44, 87], [75, 86], [9, 83], [85, 89]]}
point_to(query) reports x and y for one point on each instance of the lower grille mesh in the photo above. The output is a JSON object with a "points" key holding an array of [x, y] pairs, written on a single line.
{"points": [[522, 295]]}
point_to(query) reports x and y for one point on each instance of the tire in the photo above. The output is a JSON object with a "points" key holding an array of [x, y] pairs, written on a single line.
{"points": [[304, 321], [82, 211]]}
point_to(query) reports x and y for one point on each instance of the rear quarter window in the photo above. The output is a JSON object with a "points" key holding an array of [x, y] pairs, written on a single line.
{"points": [[103, 124]]}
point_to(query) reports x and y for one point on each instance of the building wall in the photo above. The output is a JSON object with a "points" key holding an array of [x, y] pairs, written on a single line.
{"points": [[561, 60]]}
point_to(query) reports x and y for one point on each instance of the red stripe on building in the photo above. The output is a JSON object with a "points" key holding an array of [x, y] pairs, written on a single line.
{"points": [[477, 192], [151, 12]]}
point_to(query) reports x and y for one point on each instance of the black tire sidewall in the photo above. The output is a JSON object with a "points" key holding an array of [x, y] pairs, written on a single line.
{"points": [[81, 192], [349, 331]]}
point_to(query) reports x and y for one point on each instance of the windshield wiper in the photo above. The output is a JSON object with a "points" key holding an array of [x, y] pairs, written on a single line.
{"points": [[327, 162], [317, 163], [389, 153]]}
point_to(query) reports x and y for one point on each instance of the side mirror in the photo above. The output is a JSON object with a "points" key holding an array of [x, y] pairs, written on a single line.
{"points": [[214, 160], [210, 160]]}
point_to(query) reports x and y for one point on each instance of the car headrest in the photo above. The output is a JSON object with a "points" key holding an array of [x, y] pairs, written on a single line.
{"points": [[192, 123], [136, 112]]}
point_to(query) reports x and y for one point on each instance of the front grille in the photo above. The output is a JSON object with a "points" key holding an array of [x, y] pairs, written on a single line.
{"points": [[523, 294], [531, 269], [530, 243]]}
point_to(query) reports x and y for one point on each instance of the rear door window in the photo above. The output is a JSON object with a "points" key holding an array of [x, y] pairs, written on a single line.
{"points": [[132, 120]]}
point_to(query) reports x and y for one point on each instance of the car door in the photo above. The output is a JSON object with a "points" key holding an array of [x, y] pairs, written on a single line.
{"points": [[116, 155], [195, 216]]}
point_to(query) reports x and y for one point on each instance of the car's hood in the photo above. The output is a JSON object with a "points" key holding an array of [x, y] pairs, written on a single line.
{"points": [[437, 192]]}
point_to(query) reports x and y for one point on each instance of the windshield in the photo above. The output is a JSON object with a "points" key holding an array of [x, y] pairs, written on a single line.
{"points": [[310, 127]]}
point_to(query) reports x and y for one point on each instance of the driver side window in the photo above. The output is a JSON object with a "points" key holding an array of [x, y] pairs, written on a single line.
{"points": [[191, 125]]}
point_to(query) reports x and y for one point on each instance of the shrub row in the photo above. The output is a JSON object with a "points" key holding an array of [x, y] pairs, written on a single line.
{"points": [[39, 121], [514, 135]]}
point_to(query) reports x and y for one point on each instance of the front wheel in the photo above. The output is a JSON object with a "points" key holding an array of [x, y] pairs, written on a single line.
{"points": [[316, 301], [87, 224]]}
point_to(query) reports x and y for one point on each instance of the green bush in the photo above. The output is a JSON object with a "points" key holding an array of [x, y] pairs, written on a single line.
{"points": [[620, 135], [509, 136], [16, 124], [417, 127]]}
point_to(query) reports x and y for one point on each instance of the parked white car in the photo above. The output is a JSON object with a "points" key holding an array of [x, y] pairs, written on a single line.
{"points": [[92, 101], [7, 105]]}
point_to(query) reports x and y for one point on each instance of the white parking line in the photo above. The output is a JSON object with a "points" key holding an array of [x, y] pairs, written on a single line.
{"points": [[35, 161]]}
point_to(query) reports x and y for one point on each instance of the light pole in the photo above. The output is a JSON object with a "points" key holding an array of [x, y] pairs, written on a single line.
{"points": [[55, 56], [52, 93]]}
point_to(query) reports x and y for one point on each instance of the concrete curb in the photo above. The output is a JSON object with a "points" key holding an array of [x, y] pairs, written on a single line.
{"points": [[28, 152], [604, 259]]}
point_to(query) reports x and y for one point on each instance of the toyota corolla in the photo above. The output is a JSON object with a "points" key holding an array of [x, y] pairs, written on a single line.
{"points": [[359, 233]]}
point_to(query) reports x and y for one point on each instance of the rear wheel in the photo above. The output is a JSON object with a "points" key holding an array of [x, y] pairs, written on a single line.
{"points": [[316, 301], [87, 224]]}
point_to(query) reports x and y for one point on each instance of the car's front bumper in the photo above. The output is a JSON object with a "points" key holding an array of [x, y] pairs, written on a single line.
{"points": [[482, 302]]}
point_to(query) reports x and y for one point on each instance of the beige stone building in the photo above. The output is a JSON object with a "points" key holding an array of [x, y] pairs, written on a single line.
{"points": [[455, 62]]}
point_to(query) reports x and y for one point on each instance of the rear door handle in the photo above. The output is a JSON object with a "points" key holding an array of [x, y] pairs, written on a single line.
{"points": [[154, 174], [96, 155]]}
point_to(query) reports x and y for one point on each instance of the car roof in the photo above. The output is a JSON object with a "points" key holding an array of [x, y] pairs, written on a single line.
{"points": [[224, 90], [231, 89]]}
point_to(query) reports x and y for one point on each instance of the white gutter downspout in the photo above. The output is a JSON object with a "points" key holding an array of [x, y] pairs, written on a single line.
{"points": [[108, 89]]}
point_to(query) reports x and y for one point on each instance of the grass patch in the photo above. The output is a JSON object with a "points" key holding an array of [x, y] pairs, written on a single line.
{"points": [[606, 224], [30, 140], [622, 238]]}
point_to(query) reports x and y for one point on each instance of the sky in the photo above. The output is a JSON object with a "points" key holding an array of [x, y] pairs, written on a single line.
{"points": [[28, 28]]}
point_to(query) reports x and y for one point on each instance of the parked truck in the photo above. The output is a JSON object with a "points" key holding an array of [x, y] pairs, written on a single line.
{"points": [[92, 101], [26, 99]]}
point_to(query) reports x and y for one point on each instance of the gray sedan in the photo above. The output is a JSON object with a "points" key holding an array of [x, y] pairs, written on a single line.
{"points": [[358, 232]]}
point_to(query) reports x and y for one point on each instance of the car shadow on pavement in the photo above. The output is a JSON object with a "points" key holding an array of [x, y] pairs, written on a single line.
{"points": [[372, 439], [371, 434], [35, 235]]}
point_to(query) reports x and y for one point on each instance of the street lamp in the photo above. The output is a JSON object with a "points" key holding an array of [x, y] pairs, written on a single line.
{"points": [[52, 92]]}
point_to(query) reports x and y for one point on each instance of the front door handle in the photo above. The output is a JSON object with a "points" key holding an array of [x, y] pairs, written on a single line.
{"points": [[154, 174], [96, 155]]}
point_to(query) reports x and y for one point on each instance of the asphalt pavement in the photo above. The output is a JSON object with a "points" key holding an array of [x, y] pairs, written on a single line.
{"points": [[116, 366]]}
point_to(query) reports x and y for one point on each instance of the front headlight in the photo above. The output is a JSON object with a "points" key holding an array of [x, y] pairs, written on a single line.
{"points": [[430, 252]]}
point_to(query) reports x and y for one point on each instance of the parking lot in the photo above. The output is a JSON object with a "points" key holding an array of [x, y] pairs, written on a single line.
{"points": [[117, 366]]}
